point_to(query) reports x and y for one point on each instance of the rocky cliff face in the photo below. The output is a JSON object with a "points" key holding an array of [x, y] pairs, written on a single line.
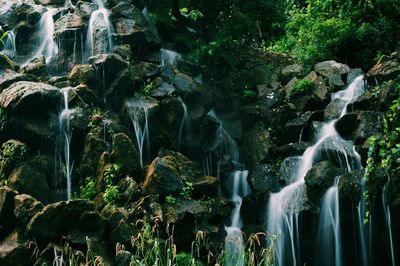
{"points": [[136, 142]]}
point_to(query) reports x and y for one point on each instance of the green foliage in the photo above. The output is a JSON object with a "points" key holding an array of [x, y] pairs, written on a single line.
{"points": [[191, 14], [88, 188], [339, 29], [222, 33], [249, 93], [3, 38], [170, 200], [311, 39], [111, 194], [184, 259], [149, 249], [384, 150], [187, 189], [147, 88], [111, 177], [302, 86]]}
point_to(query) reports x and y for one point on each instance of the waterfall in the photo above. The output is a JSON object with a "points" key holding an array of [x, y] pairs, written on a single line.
{"points": [[169, 57], [99, 39], [68, 3], [185, 124], [47, 46], [234, 248], [139, 113], [388, 220], [329, 239], [65, 131], [285, 205], [9, 44], [225, 147]]}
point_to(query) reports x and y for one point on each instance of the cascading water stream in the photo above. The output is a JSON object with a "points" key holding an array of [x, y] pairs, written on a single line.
{"points": [[47, 46], [226, 147], [99, 39], [234, 247], [284, 206], [139, 114], [329, 251], [66, 133], [9, 44], [169, 57], [185, 123], [68, 3], [388, 220]]}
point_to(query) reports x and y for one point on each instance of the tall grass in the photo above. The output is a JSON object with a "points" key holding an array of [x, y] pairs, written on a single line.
{"points": [[148, 248]]}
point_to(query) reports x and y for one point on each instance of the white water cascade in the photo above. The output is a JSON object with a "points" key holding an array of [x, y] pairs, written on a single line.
{"points": [[284, 206], [47, 46], [388, 221], [9, 44], [234, 247], [139, 113], [68, 3], [225, 147], [65, 131], [185, 124], [329, 247], [169, 57], [99, 39]]}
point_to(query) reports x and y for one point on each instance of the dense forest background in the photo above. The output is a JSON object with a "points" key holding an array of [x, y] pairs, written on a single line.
{"points": [[223, 34]]}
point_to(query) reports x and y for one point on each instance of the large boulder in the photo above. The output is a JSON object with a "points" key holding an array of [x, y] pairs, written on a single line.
{"points": [[319, 178], [26, 207], [335, 82], [67, 26], [388, 67], [111, 63], [292, 149], [12, 153], [263, 178], [90, 224], [125, 153], [31, 178], [15, 251], [85, 74], [331, 67], [133, 28], [346, 125], [334, 109], [290, 71], [94, 146], [162, 177], [120, 89], [354, 72], [6, 62], [369, 123], [7, 218], [57, 219], [288, 170], [9, 77], [350, 186], [189, 216], [297, 128], [202, 186], [257, 144], [36, 67], [185, 84], [25, 96]]}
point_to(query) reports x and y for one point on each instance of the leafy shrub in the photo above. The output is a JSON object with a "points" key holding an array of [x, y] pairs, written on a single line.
{"points": [[111, 177], [302, 86], [88, 188], [347, 31]]}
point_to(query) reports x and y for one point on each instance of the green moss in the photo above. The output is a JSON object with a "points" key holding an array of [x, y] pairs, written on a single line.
{"points": [[302, 86]]}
